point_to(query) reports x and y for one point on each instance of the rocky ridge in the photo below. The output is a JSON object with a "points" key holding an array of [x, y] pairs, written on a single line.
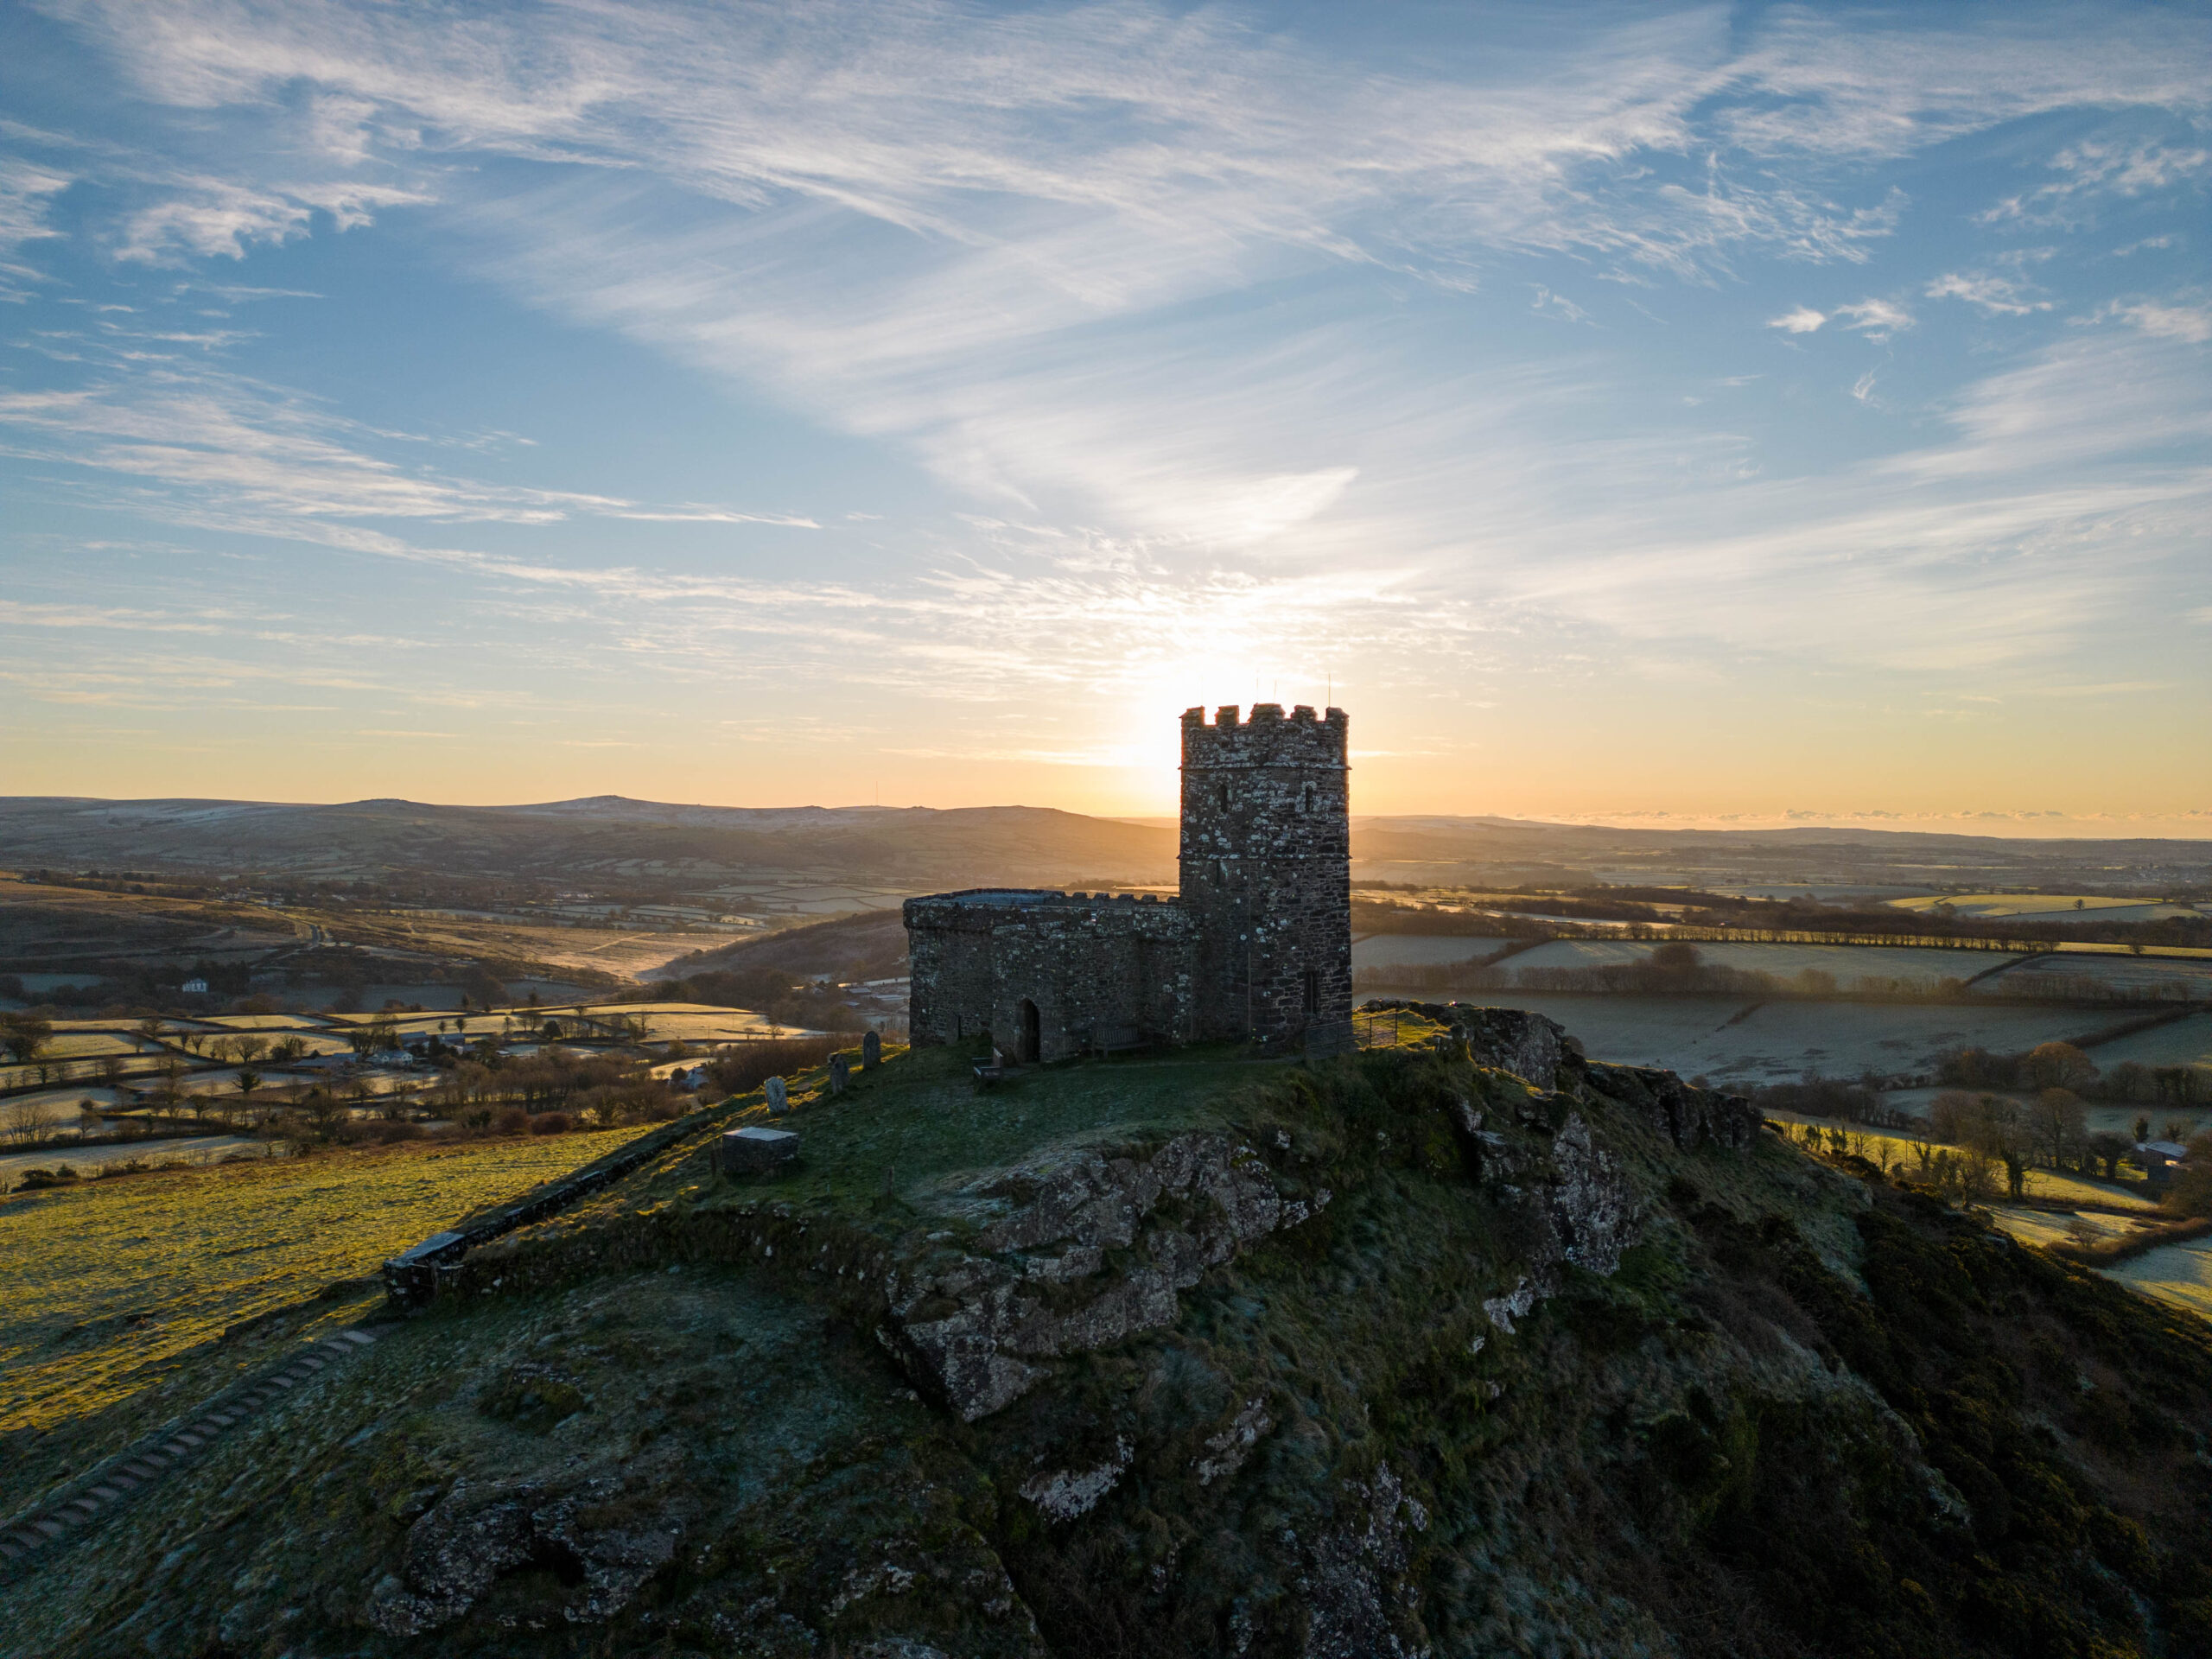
{"points": [[1472, 1347]]}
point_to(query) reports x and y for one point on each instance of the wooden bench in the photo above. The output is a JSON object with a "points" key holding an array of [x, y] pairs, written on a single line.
{"points": [[1117, 1039]]}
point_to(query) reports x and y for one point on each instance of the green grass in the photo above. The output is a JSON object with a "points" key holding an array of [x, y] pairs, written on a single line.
{"points": [[109, 1281], [919, 1119]]}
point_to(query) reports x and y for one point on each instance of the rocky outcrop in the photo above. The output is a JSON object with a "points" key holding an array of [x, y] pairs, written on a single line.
{"points": [[1688, 1115], [474, 1535], [1065, 1494], [1540, 1053], [967, 1329], [1360, 1605], [1528, 1045]]}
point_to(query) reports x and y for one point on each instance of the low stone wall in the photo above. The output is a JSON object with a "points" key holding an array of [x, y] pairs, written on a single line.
{"points": [[420, 1275]]}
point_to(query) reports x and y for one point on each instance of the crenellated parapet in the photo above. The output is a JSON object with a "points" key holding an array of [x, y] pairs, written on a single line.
{"points": [[1267, 737]]}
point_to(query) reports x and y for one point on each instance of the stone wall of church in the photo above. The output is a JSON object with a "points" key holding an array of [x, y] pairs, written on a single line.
{"points": [[1094, 970]]}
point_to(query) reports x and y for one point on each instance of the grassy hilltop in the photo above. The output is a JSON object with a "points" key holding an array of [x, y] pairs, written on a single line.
{"points": [[1402, 1354]]}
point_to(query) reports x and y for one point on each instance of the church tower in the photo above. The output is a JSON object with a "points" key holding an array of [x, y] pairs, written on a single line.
{"points": [[1267, 875]]}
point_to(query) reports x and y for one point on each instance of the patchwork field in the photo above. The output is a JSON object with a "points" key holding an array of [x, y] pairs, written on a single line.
{"points": [[691, 1022], [1417, 950], [111, 1280], [2045, 907], [1743, 1043], [1848, 962]]}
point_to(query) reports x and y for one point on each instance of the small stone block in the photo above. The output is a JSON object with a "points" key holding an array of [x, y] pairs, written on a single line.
{"points": [[871, 1051], [755, 1147], [778, 1096], [361, 1336], [104, 1492], [50, 1527]]}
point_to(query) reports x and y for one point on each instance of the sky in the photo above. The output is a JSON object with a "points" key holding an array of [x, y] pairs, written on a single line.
{"points": [[1657, 415]]}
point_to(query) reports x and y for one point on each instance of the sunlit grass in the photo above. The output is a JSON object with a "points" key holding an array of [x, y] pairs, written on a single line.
{"points": [[2050, 1186], [2179, 1274], [110, 1278]]}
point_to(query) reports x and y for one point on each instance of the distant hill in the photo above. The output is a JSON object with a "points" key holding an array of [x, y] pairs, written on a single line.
{"points": [[899, 846], [918, 847]]}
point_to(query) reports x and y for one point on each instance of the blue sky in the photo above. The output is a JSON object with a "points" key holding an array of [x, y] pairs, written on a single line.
{"points": [[1658, 414]]}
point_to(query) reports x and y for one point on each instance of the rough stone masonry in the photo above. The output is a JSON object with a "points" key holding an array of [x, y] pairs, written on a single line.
{"points": [[1256, 946]]}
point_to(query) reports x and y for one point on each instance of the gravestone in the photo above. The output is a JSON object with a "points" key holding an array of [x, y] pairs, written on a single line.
{"points": [[779, 1098], [871, 1051], [756, 1146], [841, 1072]]}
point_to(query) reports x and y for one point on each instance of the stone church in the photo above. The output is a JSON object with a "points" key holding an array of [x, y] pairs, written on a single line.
{"points": [[1256, 947]]}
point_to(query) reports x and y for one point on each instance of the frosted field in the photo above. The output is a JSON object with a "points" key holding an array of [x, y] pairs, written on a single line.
{"points": [[1778, 1042], [2185, 1042], [1847, 962], [1417, 950], [2179, 1274], [187, 1150], [2131, 972]]}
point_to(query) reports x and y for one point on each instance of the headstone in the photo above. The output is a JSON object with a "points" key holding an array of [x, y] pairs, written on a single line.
{"points": [[871, 1051], [780, 1097], [841, 1072], [756, 1146]]}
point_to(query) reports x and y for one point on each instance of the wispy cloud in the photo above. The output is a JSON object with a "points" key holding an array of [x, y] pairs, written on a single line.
{"points": [[223, 450], [26, 193], [2190, 320], [2102, 169], [1994, 297], [1877, 319], [206, 218]]}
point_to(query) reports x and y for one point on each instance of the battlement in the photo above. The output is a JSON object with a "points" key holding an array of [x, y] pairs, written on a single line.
{"points": [[1265, 737]]}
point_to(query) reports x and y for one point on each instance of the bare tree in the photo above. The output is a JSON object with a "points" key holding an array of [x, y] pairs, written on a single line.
{"points": [[26, 1122], [324, 1110], [24, 1036]]}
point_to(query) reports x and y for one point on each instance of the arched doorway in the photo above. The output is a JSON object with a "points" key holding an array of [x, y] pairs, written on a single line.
{"points": [[1031, 1040]]}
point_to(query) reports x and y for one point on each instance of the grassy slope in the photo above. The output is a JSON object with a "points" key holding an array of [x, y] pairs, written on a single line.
{"points": [[114, 1284], [1705, 1452]]}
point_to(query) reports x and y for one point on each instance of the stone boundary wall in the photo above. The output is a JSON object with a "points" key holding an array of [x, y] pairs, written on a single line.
{"points": [[419, 1276], [769, 1236]]}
